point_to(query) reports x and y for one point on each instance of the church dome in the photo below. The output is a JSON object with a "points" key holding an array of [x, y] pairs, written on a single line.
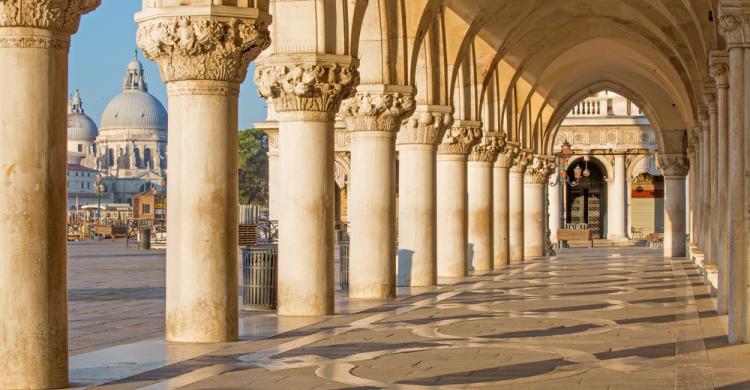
{"points": [[134, 108], [80, 126]]}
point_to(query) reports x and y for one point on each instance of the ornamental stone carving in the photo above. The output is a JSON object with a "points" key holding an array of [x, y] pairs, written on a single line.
{"points": [[377, 111], [460, 138], [733, 25], [507, 157], [424, 127], [538, 171], [489, 148], [719, 67], [522, 160], [673, 164], [203, 48], [318, 87], [56, 15], [709, 99]]}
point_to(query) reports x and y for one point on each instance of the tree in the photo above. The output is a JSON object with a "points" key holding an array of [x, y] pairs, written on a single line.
{"points": [[253, 167]]}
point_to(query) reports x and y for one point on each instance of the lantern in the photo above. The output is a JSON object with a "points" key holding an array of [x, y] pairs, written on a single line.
{"points": [[577, 172]]}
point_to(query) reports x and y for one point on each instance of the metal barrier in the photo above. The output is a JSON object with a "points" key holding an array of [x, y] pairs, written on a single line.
{"points": [[259, 277], [344, 265]]}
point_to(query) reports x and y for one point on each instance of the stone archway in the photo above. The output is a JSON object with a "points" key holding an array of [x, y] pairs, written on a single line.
{"points": [[586, 196]]}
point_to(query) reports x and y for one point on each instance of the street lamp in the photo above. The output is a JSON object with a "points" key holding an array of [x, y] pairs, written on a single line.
{"points": [[99, 190]]}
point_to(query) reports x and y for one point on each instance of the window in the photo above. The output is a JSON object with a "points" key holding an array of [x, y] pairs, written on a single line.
{"points": [[146, 209], [80, 148]]}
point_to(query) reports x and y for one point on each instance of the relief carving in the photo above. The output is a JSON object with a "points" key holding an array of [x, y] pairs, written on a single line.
{"points": [[377, 111]]}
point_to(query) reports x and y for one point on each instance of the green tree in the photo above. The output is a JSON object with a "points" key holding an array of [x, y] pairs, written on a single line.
{"points": [[253, 167]]}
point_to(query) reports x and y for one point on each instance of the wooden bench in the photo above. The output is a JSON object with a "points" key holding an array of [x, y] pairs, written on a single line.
{"points": [[565, 235]]}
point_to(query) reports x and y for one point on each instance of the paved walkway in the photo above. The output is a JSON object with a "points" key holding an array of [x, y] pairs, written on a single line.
{"points": [[599, 319]]}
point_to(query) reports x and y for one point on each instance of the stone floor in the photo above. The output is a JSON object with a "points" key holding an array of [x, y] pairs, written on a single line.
{"points": [[591, 319]]}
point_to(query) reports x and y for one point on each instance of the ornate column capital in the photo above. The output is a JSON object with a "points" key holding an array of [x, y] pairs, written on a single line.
{"points": [[60, 18], [673, 165], [489, 148], [718, 67], [709, 99], [460, 138], [378, 108], [539, 170], [734, 23], [507, 156], [521, 161], [307, 82], [197, 43], [425, 126]]}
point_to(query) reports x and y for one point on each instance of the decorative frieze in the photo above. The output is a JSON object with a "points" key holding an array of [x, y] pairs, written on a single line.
{"points": [[673, 164], [489, 148], [317, 87], [202, 47], [383, 111], [538, 171], [425, 126], [459, 139]]}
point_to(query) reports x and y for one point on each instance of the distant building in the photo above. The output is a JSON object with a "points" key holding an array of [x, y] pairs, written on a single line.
{"points": [[82, 187], [129, 149]]}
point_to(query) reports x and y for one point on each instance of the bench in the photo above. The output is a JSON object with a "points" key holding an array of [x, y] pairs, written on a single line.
{"points": [[565, 235]]}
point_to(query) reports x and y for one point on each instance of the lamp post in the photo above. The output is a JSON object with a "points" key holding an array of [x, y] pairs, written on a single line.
{"points": [[99, 189]]}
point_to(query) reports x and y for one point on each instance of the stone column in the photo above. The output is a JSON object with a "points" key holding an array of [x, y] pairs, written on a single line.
{"points": [[692, 188], [373, 117], [451, 197], [719, 69], [203, 76], [501, 206], [417, 225], [706, 187], [617, 202], [675, 168], [271, 128], [307, 90], [34, 42], [516, 205], [555, 209], [534, 199], [733, 26], [481, 160]]}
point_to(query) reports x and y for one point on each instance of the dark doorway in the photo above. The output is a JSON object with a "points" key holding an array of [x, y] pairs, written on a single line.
{"points": [[586, 196]]}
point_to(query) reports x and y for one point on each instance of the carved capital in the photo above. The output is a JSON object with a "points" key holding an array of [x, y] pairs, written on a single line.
{"points": [[522, 160], [318, 85], [202, 47], [719, 67], [709, 99], [460, 138], [507, 157], [425, 126], [539, 170], [673, 164], [489, 148], [733, 26], [61, 16], [377, 111]]}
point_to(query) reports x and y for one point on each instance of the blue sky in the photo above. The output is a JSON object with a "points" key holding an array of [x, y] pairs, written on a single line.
{"points": [[101, 50]]}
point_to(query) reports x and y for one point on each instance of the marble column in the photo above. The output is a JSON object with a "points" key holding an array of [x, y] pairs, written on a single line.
{"points": [[719, 70], [692, 188], [481, 160], [417, 224], [706, 187], [515, 206], [534, 200], [732, 25], [501, 206], [33, 293], [674, 167], [373, 117], [617, 202], [452, 200], [307, 91], [555, 210], [203, 81]]}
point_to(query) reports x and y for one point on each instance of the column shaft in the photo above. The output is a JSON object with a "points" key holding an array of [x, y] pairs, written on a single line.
{"points": [[706, 192], [306, 214], [616, 202], [516, 216], [417, 233], [202, 224], [713, 180], [372, 268], [674, 216], [723, 198], [501, 218], [555, 208], [33, 294], [480, 215], [452, 216], [533, 216]]}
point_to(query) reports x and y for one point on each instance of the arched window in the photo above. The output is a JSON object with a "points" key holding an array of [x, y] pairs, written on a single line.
{"points": [[147, 162]]}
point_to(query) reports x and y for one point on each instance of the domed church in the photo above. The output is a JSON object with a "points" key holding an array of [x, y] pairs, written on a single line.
{"points": [[82, 131], [130, 151]]}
